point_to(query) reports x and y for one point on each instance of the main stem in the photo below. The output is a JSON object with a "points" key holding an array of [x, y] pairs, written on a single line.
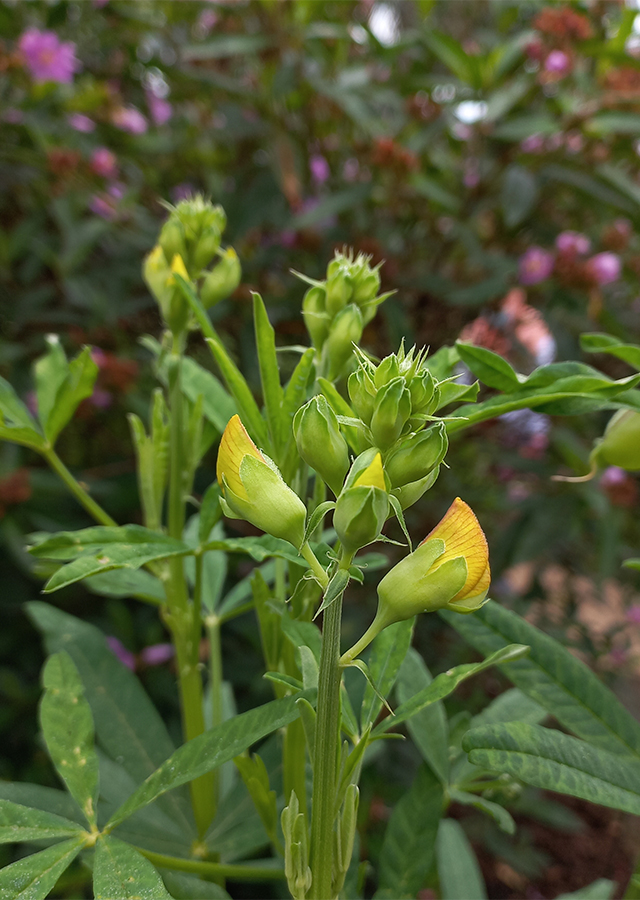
{"points": [[93, 508], [186, 632], [326, 755]]}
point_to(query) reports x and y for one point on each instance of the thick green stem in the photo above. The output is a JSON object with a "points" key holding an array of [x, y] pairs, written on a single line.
{"points": [[215, 686], [93, 508], [372, 632], [213, 869], [326, 755]]}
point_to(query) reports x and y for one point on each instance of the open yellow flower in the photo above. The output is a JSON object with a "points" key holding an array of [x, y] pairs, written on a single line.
{"points": [[253, 489]]}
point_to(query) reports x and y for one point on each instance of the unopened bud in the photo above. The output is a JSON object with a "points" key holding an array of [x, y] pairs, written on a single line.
{"points": [[366, 286], [320, 443], [410, 493], [362, 508], [425, 395], [388, 369], [339, 291], [391, 413], [206, 248], [417, 456], [315, 315], [172, 239], [156, 273], [362, 393], [620, 443], [346, 330], [222, 280]]}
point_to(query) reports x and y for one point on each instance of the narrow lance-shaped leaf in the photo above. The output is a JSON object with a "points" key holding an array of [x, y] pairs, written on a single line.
{"points": [[489, 367], [34, 877], [387, 655], [16, 423], [77, 386], [606, 343], [49, 373], [428, 728], [270, 376], [121, 873], [458, 868], [67, 726], [21, 823]]}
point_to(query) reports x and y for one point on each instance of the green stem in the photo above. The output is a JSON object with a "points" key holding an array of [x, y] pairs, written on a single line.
{"points": [[372, 632], [209, 869], [215, 686], [314, 564], [93, 508], [326, 753]]}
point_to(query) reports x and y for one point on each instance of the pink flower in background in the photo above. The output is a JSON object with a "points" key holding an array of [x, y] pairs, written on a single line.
{"points": [[605, 268], [182, 191], [471, 178], [535, 265], [47, 57], [116, 190], [557, 62], [159, 109], [532, 144], [633, 614], [82, 123], [101, 399], [104, 162], [319, 168], [573, 242], [207, 20], [13, 116], [102, 205], [119, 650], [156, 654], [128, 118]]}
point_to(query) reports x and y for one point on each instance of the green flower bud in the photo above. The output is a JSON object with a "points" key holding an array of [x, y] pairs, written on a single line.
{"points": [[320, 443], [362, 509], [346, 330], [417, 456], [367, 285], [206, 248], [339, 291], [315, 316], [387, 371], [222, 280], [172, 239], [156, 272], [410, 493], [620, 443], [423, 392], [391, 413], [362, 393]]}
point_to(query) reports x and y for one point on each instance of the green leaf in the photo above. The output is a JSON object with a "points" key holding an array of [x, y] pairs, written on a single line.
{"points": [[127, 583], [554, 678], [50, 372], [602, 889], [16, 423], [511, 706], [121, 873], [387, 655], [279, 427], [20, 823], [302, 634], [210, 512], [333, 205], [501, 816], [631, 563], [67, 726], [89, 541], [557, 762], [36, 796], [522, 126], [77, 386], [33, 877], [614, 122], [187, 887], [195, 381], [336, 588], [458, 868], [432, 189], [452, 54], [127, 724], [236, 384], [518, 196], [295, 392], [592, 187], [445, 683], [605, 343], [210, 750], [152, 454], [258, 548], [429, 728], [490, 368], [409, 841]]}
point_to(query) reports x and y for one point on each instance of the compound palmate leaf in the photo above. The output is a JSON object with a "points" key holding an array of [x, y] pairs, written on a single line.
{"points": [[21, 823], [33, 877], [121, 873]]}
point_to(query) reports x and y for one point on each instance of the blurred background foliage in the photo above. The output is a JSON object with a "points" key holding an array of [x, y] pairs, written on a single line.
{"points": [[487, 151]]}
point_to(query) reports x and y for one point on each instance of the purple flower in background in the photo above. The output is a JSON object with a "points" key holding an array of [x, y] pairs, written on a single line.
{"points": [[102, 205], [116, 190], [81, 123], [471, 177], [47, 57], [104, 162], [319, 168], [159, 109], [156, 654], [558, 62], [100, 398], [128, 118], [125, 656], [13, 116], [351, 169], [532, 144], [605, 268], [573, 242], [633, 614], [535, 265], [182, 191]]}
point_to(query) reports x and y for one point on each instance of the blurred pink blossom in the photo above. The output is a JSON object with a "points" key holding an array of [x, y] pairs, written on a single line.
{"points": [[119, 650], [471, 178], [116, 190], [13, 116], [558, 62], [104, 162], [101, 399], [182, 191], [535, 265], [207, 20], [351, 169], [47, 57], [573, 242], [82, 123], [532, 144], [156, 654], [319, 168], [633, 614], [102, 205], [159, 109], [128, 118], [605, 268]]}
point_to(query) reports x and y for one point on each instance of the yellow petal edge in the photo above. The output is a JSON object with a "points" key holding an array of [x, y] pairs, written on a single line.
{"points": [[463, 536], [235, 444]]}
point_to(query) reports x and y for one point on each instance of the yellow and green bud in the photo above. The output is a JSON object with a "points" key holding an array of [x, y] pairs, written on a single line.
{"points": [[222, 280], [172, 239], [363, 506], [253, 489], [391, 413], [417, 456], [320, 443]]}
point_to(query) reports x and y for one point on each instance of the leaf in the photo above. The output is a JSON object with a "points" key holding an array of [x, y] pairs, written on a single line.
{"points": [[16, 423], [33, 877], [557, 762], [67, 726], [188, 887], [511, 706], [554, 678], [121, 873], [336, 588], [127, 724], [452, 54], [518, 195], [433, 190], [605, 343], [279, 426], [333, 205], [50, 372], [195, 381], [387, 655], [77, 386], [490, 368], [127, 583], [445, 683], [210, 512], [614, 122], [36, 796], [20, 823], [302, 634], [341, 408], [210, 750], [602, 889], [429, 728], [89, 541], [409, 842], [295, 392], [258, 548], [592, 187], [501, 816], [458, 868]]}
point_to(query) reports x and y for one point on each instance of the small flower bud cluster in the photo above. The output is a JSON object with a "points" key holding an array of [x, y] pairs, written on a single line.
{"points": [[337, 309], [189, 245]]}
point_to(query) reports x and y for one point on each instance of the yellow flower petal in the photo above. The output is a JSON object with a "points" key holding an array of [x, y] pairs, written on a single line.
{"points": [[178, 268], [235, 444], [463, 536], [373, 475]]}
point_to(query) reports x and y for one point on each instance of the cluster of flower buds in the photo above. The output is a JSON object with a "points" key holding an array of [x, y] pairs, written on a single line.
{"points": [[189, 245], [337, 309]]}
